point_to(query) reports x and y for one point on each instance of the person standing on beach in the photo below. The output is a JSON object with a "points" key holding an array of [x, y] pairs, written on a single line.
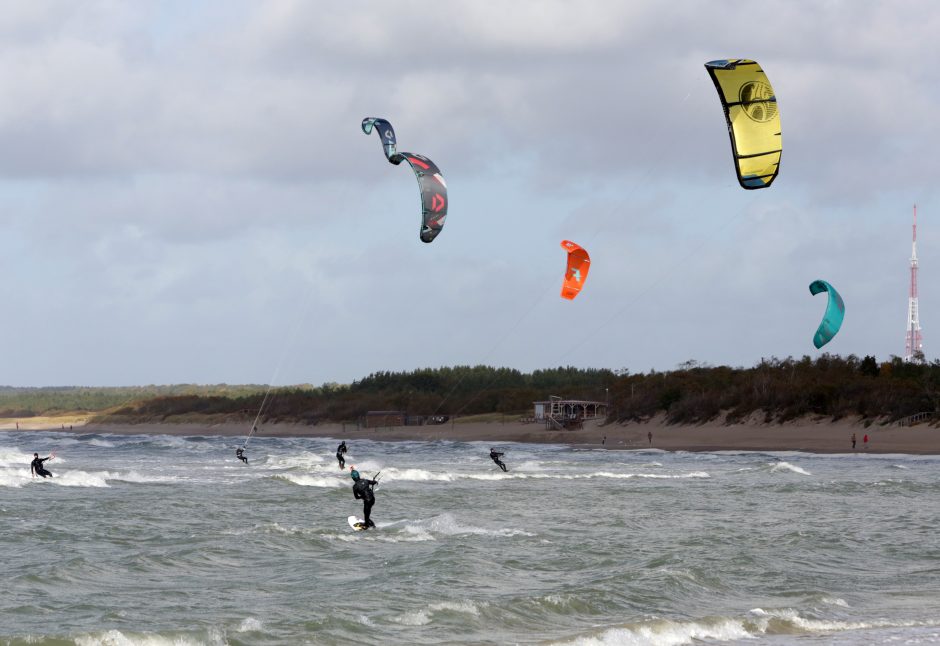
{"points": [[853, 441], [36, 468], [649, 436], [495, 457], [341, 454], [362, 490], [865, 441], [240, 454]]}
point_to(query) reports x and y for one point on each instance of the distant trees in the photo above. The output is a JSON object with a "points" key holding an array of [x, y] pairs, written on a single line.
{"points": [[781, 390], [774, 389]]}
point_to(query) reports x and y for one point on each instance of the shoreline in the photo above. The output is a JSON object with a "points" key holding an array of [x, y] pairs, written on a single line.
{"points": [[805, 435]]}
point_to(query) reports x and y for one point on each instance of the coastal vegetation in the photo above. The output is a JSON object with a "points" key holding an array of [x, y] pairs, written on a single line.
{"points": [[774, 390]]}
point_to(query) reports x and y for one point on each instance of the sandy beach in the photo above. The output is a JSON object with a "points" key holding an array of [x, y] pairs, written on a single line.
{"points": [[822, 436]]}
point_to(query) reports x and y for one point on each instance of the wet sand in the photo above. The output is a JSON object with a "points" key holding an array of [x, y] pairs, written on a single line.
{"points": [[803, 435]]}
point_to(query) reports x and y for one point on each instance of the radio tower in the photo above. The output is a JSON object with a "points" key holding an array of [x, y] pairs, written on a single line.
{"points": [[913, 348]]}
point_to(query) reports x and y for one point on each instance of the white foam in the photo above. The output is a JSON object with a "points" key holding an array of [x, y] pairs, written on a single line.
{"points": [[249, 625], [413, 475], [667, 633], [835, 601], [100, 443], [329, 482], [15, 477], [584, 476], [13, 458], [117, 638], [447, 525], [81, 479], [786, 466], [303, 460]]}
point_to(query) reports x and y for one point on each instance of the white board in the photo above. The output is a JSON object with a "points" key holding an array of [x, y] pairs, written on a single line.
{"points": [[356, 523]]}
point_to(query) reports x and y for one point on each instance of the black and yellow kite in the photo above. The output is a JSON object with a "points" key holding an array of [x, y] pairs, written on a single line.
{"points": [[753, 119]]}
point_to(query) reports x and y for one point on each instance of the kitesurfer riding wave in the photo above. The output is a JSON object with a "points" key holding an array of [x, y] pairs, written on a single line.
{"points": [[495, 456], [362, 490], [36, 468]]}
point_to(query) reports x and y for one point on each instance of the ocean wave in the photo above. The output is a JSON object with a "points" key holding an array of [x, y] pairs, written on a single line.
{"points": [[77, 478], [665, 632], [777, 467], [423, 475], [249, 625], [424, 617], [303, 460], [115, 637], [329, 482]]}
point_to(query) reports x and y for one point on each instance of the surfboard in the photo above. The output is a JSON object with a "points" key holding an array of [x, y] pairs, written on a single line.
{"points": [[357, 524]]}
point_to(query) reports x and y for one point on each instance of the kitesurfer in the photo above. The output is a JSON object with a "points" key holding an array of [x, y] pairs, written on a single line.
{"points": [[36, 468], [362, 490], [340, 453], [495, 457], [240, 454]]}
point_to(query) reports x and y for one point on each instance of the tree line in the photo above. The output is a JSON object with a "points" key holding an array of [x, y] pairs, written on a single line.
{"points": [[778, 390]]}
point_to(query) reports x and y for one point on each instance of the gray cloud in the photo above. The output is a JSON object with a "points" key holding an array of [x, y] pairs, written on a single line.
{"points": [[180, 185]]}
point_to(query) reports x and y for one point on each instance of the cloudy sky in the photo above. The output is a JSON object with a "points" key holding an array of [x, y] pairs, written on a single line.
{"points": [[186, 194]]}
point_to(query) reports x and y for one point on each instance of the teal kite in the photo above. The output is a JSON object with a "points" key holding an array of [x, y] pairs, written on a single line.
{"points": [[835, 312]]}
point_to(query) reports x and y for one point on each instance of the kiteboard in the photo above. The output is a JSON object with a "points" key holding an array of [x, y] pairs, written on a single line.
{"points": [[357, 524]]}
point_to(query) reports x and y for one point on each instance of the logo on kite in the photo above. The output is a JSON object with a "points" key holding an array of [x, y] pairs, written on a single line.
{"points": [[753, 118], [579, 263], [835, 312], [758, 101], [430, 181]]}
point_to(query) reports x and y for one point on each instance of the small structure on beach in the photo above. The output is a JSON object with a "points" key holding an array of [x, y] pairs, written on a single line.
{"points": [[380, 418], [560, 413]]}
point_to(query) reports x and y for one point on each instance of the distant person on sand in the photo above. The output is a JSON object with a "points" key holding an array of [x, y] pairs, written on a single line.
{"points": [[649, 436], [36, 468], [362, 490], [240, 454], [341, 453], [865, 441], [853, 441], [495, 457]]}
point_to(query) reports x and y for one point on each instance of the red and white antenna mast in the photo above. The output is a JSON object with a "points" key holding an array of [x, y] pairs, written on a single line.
{"points": [[913, 347]]}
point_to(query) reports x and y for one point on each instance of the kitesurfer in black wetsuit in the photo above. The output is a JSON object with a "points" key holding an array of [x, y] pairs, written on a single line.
{"points": [[240, 454], [36, 468], [340, 454], [495, 456], [362, 490]]}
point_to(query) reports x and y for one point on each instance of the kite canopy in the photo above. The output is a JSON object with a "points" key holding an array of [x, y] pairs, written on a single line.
{"points": [[430, 181], [579, 263], [835, 312], [753, 118]]}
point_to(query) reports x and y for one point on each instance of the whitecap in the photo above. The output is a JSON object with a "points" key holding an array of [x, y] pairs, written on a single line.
{"points": [[330, 482], [117, 638], [664, 632], [786, 466], [423, 617], [249, 624]]}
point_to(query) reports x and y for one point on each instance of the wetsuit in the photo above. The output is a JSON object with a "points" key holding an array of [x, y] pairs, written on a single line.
{"points": [[340, 453], [36, 467], [240, 454], [496, 458], [362, 490]]}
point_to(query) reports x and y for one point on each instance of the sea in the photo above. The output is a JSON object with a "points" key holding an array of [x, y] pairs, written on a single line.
{"points": [[165, 540]]}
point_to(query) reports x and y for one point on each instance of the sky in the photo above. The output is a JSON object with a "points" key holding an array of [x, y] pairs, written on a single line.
{"points": [[186, 195]]}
